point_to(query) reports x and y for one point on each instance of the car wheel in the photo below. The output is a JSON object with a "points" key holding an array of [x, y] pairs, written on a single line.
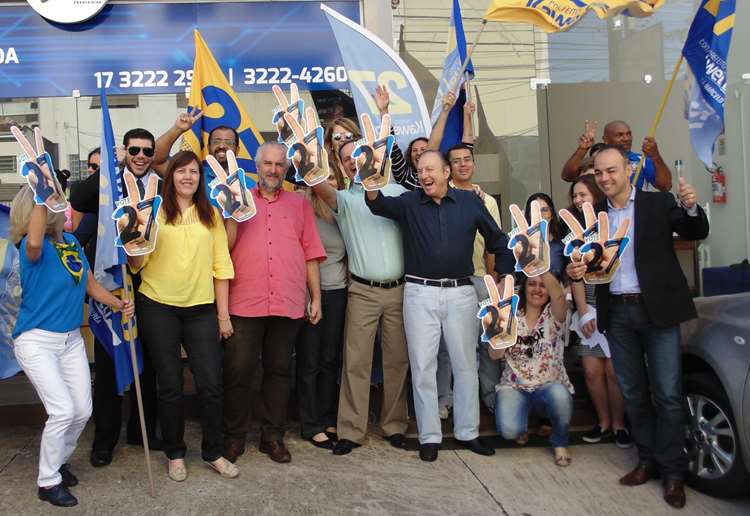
{"points": [[712, 442]]}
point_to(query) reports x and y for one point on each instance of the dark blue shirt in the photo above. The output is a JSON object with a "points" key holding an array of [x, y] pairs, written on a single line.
{"points": [[439, 238]]}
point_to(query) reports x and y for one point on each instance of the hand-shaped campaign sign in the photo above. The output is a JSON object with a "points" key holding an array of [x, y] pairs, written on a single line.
{"points": [[498, 315], [373, 156], [293, 107], [306, 149], [231, 189], [137, 225], [39, 172], [529, 242], [593, 246]]}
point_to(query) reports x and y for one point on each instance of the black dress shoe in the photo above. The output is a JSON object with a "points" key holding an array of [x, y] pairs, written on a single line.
{"points": [[57, 495], [397, 441], [333, 436], [276, 450], [326, 445], [154, 443], [68, 478], [477, 446], [344, 446], [674, 493], [429, 452], [100, 458]]}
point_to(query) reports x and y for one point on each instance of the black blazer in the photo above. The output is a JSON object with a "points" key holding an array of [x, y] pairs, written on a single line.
{"points": [[664, 288]]}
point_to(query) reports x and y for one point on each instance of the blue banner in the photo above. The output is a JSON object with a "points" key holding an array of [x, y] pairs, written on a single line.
{"points": [[107, 324], [10, 302], [451, 81], [148, 48], [374, 62], [706, 51]]}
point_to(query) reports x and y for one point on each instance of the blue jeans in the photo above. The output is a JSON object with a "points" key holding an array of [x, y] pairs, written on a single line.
{"points": [[648, 365], [452, 312], [552, 400]]}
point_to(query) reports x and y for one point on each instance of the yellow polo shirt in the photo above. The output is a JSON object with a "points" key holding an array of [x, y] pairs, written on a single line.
{"points": [[187, 258], [480, 266]]}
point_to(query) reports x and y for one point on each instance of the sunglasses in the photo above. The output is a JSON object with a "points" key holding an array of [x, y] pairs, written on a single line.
{"points": [[337, 137], [93, 166], [147, 151]]}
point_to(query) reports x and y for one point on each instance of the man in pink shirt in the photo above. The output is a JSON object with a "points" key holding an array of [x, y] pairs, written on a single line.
{"points": [[276, 256]]}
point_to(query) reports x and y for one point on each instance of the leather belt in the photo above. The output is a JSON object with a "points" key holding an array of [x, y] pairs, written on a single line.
{"points": [[442, 283], [626, 299], [378, 284]]}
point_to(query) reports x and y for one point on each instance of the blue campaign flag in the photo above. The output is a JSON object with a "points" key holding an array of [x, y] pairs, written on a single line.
{"points": [[10, 300], [706, 51], [106, 323], [374, 63], [452, 80]]}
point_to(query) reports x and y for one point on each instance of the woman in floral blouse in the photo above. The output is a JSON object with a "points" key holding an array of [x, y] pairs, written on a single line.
{"points": [[534, 375]]}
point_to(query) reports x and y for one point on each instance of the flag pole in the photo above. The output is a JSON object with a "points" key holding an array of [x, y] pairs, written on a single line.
{"points": [[469, 53], [659, 114], [136, 381]]}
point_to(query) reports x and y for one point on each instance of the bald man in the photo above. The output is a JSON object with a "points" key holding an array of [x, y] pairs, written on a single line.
{"points": [[655, 170]]}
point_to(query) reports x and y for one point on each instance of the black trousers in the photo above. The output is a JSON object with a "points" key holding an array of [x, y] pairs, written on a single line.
{"points": [[196, 328], [319, 351], [108, 404], [270, 339]]}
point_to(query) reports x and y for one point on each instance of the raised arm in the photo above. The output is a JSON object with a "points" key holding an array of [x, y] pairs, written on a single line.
{"points": [[585, 142], [327, 194], [468, 136], [389, 207], [438, 130], [35, 234], [165, 142], [662, 173], [558, 305]]}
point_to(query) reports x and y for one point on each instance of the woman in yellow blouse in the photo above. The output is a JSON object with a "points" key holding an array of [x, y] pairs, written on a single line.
{"points": [[183, 300]]}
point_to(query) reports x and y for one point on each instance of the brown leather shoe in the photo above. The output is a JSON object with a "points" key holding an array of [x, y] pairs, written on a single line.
{"points": [[674, 493], [276, 450], [640, 475], [233, 448]]}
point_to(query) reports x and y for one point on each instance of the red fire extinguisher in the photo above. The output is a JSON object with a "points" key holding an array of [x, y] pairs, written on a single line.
{"points": [[719, 185]]}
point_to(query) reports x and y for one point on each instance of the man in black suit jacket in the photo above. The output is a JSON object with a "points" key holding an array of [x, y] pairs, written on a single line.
{"points": [[640, 311]]}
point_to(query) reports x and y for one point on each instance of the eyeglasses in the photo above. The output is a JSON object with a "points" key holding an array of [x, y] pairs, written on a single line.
{"points": [[93, 166], [465, 159], [337, 137], [147, 151], [225, 141]]}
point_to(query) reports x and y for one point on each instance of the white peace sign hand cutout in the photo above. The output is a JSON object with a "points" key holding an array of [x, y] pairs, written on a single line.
{"points": [[39, 172], [231, 189]]}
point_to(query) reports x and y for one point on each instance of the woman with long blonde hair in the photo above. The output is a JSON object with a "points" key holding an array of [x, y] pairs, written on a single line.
{"points": [[55, 279]]}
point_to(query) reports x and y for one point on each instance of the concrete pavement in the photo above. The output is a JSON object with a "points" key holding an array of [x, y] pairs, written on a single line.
{"points": [[374, 479]]}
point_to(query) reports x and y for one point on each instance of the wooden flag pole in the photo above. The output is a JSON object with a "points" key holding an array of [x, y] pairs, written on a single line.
{"points": [[136, 381], [465, 64], [659, 114]]}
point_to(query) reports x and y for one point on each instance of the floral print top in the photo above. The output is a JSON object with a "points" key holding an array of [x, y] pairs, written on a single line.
{"points": [[537, 357]]}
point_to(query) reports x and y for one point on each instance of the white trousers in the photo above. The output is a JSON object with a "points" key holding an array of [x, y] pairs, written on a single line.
{"points": [[430, 312], [57, 366]]}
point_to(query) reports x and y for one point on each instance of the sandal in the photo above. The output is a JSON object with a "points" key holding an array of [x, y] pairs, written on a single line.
{"points": [[177, 470], [224, 468], [523, 439], [562, 457]]}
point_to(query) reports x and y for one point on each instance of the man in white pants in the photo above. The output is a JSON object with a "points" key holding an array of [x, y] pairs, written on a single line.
{"points": [[439, 224]]}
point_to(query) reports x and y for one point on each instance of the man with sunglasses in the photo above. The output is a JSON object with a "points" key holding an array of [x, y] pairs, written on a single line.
{"points": [[139, 146]]}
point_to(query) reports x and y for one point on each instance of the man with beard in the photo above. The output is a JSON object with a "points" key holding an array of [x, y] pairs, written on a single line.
{"points": [[276, 256]]}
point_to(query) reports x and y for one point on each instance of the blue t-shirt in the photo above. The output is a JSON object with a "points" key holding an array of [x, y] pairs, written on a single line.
{"points": [[648, 173], [52, 299]]}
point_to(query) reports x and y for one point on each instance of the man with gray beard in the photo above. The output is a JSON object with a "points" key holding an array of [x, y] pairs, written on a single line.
{"points": [[276, 255]]}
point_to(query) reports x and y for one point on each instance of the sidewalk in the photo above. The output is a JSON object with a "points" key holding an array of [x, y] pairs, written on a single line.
{"points": [[374, 479]]}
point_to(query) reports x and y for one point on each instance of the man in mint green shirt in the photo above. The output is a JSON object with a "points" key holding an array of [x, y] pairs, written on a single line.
{"points": [[376, 293]]}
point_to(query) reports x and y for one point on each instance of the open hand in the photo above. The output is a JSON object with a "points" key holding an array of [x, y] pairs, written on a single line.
{"points": [[137, 223], [39, 172], [587, 139], [529, 242], [231, 189], [382, 98], [185, 121], [373, 156]]}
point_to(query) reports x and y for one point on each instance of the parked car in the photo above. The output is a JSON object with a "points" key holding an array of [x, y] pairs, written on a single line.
{"points": [[716, 369]]}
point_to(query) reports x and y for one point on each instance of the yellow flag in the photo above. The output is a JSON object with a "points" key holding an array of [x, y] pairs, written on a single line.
{"points": [[211, 92], [561, 15]]}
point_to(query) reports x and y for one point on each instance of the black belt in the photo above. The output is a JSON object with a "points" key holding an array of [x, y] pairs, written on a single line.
{"points": [[626, 299], [378, 284], [442, 283]]}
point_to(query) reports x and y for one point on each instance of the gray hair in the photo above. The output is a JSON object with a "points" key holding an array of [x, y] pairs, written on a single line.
{"points": [[267, 145]]}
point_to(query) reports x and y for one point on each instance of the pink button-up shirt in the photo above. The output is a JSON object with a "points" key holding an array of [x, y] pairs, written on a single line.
{"points": [[270, 256]]}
